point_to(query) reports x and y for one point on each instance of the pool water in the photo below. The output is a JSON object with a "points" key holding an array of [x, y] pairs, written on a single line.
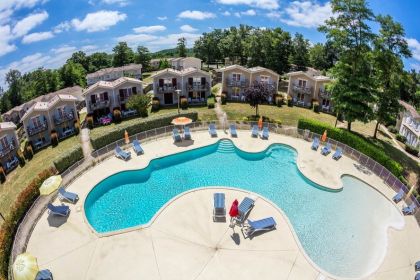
{"points": [[343, 232]]}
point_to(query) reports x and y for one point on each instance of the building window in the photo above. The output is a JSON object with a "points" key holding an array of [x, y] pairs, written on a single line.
{"points": [[236, 77], [4, 143], [264, 79], [302, 83]]}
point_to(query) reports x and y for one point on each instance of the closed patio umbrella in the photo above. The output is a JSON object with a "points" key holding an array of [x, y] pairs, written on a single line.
{"points": [[324, 136], [25, 267], [233, 212], [50, 185], [260, 123], [127, 140]]}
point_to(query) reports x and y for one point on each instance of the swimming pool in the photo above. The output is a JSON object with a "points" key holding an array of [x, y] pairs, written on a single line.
{"points": [[343, 232]]}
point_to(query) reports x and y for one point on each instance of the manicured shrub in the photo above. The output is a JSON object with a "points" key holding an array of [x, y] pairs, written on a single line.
{"points": [[211, 102], [155, 104], [316, 107], [29, 151], [54, 138], [89, 122], [76, 127], [184, 103], [68, 158], [392, 129], [356, 142], [279, 101], [140, 103], [289, 101], [2, 175], [401, 138], [103, 136], [412, 150], [223, 98], [21, 158], [116, 116]]}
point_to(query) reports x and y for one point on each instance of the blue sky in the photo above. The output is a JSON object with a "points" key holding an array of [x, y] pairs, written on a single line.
{"points": [[44, 33]]}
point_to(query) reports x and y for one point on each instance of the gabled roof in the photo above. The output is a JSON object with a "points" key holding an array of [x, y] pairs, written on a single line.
{"points": [[111, 85], [166, 71], [179, 73], [7, 126], [314, 77], [46, 106], [261, 69], [105, 71], [411, 109], [234, 66]]}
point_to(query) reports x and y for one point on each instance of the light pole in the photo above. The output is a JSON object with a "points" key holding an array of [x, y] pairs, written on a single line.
{"points": [[178, 92]]}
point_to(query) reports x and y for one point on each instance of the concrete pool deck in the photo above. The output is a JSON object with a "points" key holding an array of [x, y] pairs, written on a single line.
{"points": [[184, 243]]}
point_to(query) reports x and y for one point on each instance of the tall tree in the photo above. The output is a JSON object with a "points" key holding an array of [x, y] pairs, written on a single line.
{"points": [[73, 74], [81, 58], [300, 52], [258, 93], [99, 60], [353, 88], [13, 79], [390, 46], [181, 47], [123, 55], [143, 57]]}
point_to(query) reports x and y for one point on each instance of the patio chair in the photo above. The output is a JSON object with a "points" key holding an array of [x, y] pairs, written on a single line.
{"points": [[252, 227], [409, 210], [176, 136], [315, 144], [62, 210], [338, 154], [137, 147], [326, 149], [69, 196], [399, 196], [417, 276], [244, 208], [212, 130], [264, 133], [119, 153], [219, 211], [417, 266], [232, 130], [187, 133], [254, 131], [44, 274]]}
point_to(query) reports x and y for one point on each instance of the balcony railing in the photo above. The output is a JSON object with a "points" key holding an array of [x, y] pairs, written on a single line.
{"points": [[205, 86], [99, 104], [302, 89], [234, 83], [5, 150], [64, 118], [167, 88], [324, 94], [37, 129]]}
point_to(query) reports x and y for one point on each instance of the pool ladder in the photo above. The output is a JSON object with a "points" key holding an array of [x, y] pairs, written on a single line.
{"points": [[226, 147]]}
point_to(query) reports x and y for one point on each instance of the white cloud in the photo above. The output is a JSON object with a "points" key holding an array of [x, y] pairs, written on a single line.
{"points": [[307, 14], [135, 39], [149, 29], [63, 26], [226, 13], [274, 14], [121, 3], [25, 25], [98, 21], [19, 4], [154, 42], [162, 18], [250, 12], [5, 16], [237, 14], [37, 36], [63, 49], [415, 66], [188, 28], [89, 49], [261, 4], [197, 15], [415, 48], [5, 45]]}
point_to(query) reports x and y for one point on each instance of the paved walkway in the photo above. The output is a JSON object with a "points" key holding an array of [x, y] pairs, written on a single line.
{"points": [[85, 142]]}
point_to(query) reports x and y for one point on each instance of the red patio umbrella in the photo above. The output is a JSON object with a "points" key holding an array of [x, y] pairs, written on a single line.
{"points": [[233, 212]]}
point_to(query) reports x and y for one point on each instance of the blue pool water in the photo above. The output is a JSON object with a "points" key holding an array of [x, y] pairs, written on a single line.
{"points": [[343, 232]]}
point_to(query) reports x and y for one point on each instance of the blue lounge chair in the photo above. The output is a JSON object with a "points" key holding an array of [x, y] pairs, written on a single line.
{"points": [[338, 154], [219, 211], [187, 133], [265, 133], [69, 196], [254, 131], [212, 130], [417, 276], [232, 129], [261, 225], [176, 136], [243, 209], [62, 210], [137, 147], [119, 153], [44, 274], [417, 266], [326, 149], [315, 144], [409, 210], [399, 196]]}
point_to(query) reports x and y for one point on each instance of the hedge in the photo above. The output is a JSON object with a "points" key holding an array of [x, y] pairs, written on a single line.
{"points": [[21, 205], [102, 136], [356, 142], [68, 158]]}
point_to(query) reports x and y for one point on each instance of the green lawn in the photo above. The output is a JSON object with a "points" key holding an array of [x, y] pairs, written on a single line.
{"points": [[204, 113], [22, 176]]}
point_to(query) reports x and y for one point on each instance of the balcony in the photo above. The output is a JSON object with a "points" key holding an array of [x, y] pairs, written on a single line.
{"points": [[99, 104], [302, 89], [37, 129], [64, 118], [234, 83], [197, 87], [4, 151], [167, 88], [324, 94]]}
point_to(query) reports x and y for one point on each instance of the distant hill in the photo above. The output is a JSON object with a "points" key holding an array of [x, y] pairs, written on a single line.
{"points": [[170, 53]]}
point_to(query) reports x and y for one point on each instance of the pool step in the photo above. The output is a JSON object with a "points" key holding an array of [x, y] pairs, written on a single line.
{"points": [[226, 147]]}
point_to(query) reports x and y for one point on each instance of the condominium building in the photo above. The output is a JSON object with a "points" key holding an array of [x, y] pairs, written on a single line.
{"points": [[114, 73], [308, 86], [408, 124], [9, 146], [182, 63], [192, 83]]}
